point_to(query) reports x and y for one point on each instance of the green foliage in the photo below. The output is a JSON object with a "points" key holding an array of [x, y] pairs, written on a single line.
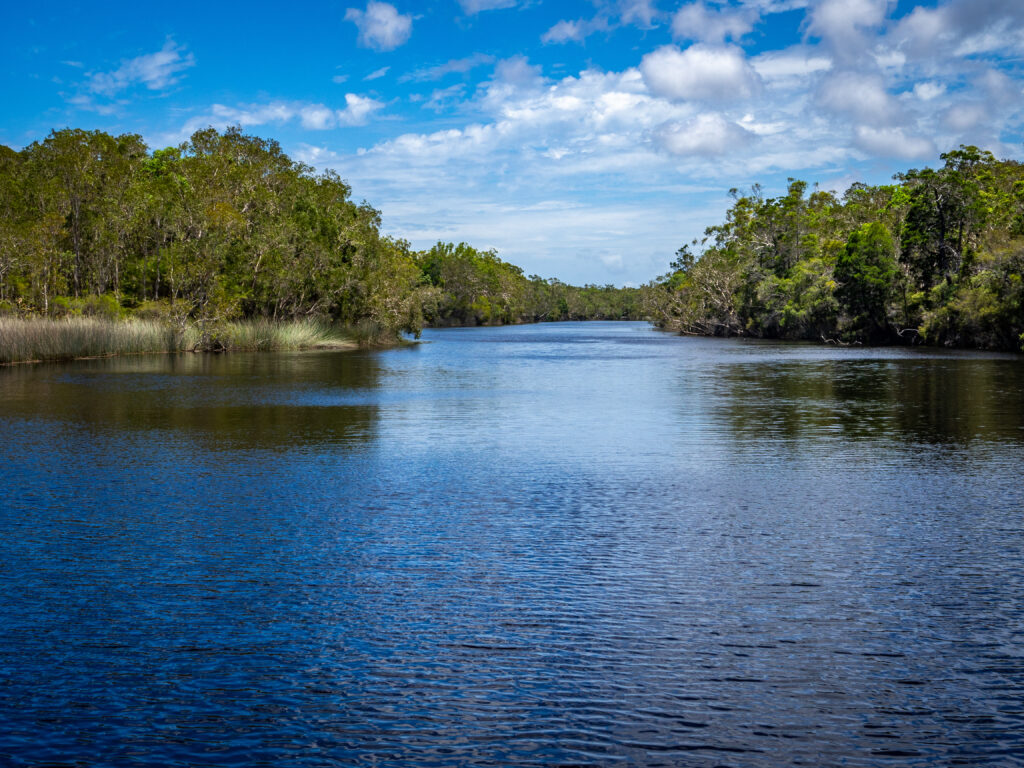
{"points": [[471, 287], [987, 309], [105, 307], [811, 306], [223, 226], [936, 256], [866, 275], [227, 227]]}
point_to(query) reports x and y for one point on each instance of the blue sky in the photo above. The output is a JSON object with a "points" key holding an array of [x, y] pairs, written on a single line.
{"points": [[583, 140]]}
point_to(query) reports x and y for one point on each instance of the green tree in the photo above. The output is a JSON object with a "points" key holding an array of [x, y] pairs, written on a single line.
{"points": [[866, 273]]}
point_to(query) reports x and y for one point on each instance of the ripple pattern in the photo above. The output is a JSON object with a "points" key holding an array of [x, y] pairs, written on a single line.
{"points": [[565, 545]]}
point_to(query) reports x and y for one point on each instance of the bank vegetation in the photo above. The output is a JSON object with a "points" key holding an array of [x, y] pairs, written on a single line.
{"points": [[224, 242], [936, 258]]}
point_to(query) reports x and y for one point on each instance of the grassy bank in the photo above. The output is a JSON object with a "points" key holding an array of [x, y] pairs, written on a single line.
{"points": [[263, 334], [24, 340]]}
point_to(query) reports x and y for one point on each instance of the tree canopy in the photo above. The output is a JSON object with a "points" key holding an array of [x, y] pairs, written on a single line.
{"points": [[226, 225], [937, 257]]}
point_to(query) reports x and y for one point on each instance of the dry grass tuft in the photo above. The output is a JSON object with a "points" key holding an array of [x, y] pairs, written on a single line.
{"points": [[264, 334], [24, 340]]}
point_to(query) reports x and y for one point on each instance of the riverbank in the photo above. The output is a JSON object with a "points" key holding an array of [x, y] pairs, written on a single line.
{"points": [[936, 259], [41, 339]]}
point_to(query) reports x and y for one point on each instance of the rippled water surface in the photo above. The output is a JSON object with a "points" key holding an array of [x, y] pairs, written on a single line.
{"points": [[568, 544]]}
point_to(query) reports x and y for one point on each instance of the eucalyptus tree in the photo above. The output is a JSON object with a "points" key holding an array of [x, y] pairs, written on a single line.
{"points": [[86, 177], [866, 275], [938, 256]]}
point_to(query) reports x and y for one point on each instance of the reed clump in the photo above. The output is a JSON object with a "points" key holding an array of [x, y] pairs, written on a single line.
{"points": [[24, 339], [36, 339], [266, 334]]}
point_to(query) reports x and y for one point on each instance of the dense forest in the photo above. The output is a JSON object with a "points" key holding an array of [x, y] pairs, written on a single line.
{"points": [[227, 226], [936, 257], [474, 287]]}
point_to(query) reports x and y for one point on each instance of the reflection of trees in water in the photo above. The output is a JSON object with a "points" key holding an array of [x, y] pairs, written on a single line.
{"points": [[239, 400], [928, 401]]}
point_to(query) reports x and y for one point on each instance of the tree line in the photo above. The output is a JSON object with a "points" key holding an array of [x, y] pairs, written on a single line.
{"points": [[473, 287], [937, 257], [227, 226]]}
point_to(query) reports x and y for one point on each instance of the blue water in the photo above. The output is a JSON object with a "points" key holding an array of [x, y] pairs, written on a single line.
{"points": [[566, 544]]}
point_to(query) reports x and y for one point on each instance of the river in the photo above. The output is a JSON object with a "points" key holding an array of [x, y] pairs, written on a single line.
{"points": [[563, 544]]}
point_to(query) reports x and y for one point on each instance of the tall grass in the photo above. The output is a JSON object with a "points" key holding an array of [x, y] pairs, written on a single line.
{"points": [[46, 339], [264, 334], [23, 340]]}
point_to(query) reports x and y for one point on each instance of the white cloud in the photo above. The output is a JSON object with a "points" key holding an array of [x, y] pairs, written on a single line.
{"points": [[639, 12], [963, 27], [307, 153], [440, 147], [922, 29], [696, 22], [701, 72], [964, 117], [761, 128], [312, 117], [836, 19], [843, 24], [926, 91], [316, 117], [460, 66], [888, 59], [997, 37], [155, 71], [568, 31], [377, 73], [583, 119], [859, 96], [793, 67], [82, 101], [703, 135], [893, 142], [998, 87], [765, 7], [613, 260], [442, 98], [357, 109], [381, 26], [517, 71], [221, 116], [339, 79], [471, 7]]}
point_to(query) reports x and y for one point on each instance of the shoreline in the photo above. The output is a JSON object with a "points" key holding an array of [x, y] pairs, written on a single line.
{"points": [[42, 340], [837, 344], [27, 341]]}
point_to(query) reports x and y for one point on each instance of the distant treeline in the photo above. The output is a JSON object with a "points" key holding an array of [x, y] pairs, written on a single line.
{"points": [[227, 226], [474, 287], [937, 257]]}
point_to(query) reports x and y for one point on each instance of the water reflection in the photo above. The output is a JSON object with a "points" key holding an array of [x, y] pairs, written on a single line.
{"points": [[940, 401], [557, 545], [234, 401]]}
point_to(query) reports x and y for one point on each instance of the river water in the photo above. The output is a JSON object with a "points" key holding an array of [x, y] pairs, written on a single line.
{"points": [[564, 544]]}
